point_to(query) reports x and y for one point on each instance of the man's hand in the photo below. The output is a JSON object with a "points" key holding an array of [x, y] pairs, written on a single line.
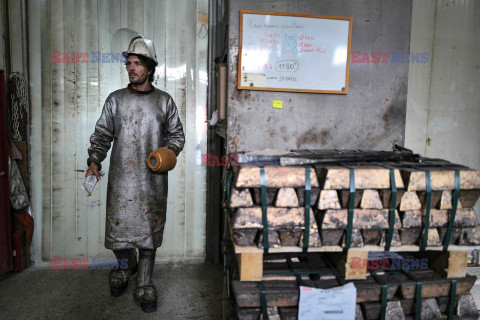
{"points": [[165, 147], [93, 169]]}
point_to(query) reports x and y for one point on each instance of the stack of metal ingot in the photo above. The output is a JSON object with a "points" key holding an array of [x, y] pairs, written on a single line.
{"points": [[285, 206], [360, 202], [282, 293], [330, 204]]}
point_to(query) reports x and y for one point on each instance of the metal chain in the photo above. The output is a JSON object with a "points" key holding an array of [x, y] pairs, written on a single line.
{"points": [[18, 95]]}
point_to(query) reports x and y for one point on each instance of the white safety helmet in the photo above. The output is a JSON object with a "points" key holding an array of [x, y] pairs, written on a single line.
{"points": [[141, 46]]}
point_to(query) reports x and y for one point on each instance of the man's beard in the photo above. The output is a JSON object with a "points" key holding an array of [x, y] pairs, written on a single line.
{"points": [[140, 81]]}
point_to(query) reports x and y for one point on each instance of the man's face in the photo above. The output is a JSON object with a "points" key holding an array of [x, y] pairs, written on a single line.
{"points": [[137, 71]]}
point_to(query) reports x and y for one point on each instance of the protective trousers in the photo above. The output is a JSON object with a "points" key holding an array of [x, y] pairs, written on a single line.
{"points": [[129, 255], [146, 263]]}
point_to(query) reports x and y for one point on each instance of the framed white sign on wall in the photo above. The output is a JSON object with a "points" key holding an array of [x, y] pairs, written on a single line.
{"points": [[294, 52]]}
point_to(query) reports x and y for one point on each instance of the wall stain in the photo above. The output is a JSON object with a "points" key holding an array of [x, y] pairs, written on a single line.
{"points": [[394, 115], [313, 137], [240, 95]]}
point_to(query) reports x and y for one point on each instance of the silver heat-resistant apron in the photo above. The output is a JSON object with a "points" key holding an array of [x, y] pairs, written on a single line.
{"points": [[137, 123]]}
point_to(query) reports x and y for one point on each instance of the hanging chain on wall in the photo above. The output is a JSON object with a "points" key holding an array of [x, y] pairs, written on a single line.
{"points": [[18, 114]]}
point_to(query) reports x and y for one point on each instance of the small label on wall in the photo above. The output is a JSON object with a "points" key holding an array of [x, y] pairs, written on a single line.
{"points": [[277, 104]]}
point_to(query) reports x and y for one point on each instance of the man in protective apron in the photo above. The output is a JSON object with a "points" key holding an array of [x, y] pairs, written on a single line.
{"points": [[138, 119]]}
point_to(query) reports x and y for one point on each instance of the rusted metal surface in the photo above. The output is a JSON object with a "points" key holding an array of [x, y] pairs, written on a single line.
{"points": [[433, 239], [345, 198], [441, 179], [410, 236], [434, 285], [285, 293], [278, 218], [466, 306], [371, 207], [371, 200], [313, 196], [245, 237], [257, 196], [410, 201], [467, 199], [240, 198], [286, 197], [441, 218], [329, 200], [470, 237], [366, 177], [369, 219], [331, 237], [386, 196], [275, 176], [371, 310], [412, 219]]}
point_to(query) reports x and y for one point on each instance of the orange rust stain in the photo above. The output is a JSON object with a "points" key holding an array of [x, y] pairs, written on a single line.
{"points": [[135, 122], [116, 224], [156, 224], [112, 207], [132, 163], [117, 196]]}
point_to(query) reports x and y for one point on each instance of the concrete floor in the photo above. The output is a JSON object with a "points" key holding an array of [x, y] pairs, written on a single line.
{"points": [[187, 290]]}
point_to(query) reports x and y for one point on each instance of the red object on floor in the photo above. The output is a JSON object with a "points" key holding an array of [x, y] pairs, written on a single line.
{"points": [[18, 263], [23, 221], [5, 224]]}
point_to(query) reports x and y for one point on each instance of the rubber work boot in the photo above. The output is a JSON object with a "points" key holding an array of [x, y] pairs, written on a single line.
{"points": [[145, 292], [118, 278], [147, 296]]}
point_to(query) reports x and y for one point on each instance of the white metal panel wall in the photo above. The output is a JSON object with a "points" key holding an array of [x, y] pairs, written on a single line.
{"points": [[72, 96], [444, 95]]}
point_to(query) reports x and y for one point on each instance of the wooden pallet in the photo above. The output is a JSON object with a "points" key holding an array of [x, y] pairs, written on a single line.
{"points": [[451, 264]]}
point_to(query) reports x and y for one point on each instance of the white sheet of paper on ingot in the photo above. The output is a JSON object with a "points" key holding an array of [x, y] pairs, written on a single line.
{"points": [[327, 304]]}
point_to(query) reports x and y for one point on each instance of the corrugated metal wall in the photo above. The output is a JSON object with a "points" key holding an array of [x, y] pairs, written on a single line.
{"points": [[72, 96]]}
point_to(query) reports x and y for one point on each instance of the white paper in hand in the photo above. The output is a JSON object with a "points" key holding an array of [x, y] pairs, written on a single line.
{"points": [[327, 304], [90, 183]]}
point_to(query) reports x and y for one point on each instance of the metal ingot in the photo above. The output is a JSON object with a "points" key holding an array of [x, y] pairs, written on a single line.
{"points": [[162, 160]]}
